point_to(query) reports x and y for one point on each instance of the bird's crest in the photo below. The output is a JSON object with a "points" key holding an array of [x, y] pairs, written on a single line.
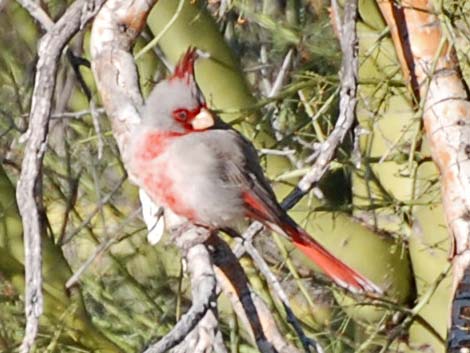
{"points": [[185, 67]]}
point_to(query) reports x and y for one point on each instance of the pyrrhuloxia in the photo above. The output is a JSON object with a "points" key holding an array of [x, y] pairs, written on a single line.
{"points": [[189, 161]]}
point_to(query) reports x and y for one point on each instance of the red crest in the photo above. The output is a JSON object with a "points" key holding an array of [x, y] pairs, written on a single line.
{"points": [[185, 67]]}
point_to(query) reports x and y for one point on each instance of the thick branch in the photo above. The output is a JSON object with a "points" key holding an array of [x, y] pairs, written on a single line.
{"points": [[446, 114], [29, 183], [203, 289], [445, 104]]}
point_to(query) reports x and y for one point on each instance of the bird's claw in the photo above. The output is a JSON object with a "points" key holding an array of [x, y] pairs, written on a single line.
{"points": [[186, 234]]}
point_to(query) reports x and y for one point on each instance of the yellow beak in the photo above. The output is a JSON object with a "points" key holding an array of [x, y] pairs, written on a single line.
{"points": [[203, 120]]}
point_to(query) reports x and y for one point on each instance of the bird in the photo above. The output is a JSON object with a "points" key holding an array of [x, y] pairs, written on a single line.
{"points": [[188, 160]]}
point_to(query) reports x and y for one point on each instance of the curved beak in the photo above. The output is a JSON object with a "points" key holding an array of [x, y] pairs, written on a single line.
{"points": [[203, 120]]}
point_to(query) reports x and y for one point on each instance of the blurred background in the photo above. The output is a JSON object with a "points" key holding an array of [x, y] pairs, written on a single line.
{"points": [[273, 74]]}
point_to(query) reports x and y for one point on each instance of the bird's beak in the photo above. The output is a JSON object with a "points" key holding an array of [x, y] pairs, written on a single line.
{"points": [[203, 120]]}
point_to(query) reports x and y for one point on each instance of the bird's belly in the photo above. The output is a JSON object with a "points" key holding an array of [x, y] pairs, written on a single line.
{"points": [[185, 180], [163, 190], [151, 169]]}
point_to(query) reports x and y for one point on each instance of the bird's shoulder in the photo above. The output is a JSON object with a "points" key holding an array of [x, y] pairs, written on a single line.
{"points": [[239, 160], [230, 144]]}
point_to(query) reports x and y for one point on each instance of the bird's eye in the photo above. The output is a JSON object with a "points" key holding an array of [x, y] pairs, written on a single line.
{"points": [[181, 115]]}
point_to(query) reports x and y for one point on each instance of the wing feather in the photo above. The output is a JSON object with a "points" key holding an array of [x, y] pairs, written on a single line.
{"points": [[241, 167]]}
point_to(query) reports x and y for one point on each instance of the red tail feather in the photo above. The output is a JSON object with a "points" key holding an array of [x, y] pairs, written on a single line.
{"points": [[280, 222], [341, 273]]}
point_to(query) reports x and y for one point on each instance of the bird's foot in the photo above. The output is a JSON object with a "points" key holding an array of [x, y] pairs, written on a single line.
{"points": [[185, 235]]}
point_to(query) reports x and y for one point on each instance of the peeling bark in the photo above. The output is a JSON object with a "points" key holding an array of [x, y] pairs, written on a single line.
{"points": [[446, 112]]}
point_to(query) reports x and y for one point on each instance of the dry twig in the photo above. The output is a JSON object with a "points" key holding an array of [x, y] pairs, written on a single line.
{"points": [[343, 124], [29, 184]]}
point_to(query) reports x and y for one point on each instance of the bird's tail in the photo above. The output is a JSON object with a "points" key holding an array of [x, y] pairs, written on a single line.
{"points": [[342, 274], [270, 213]]}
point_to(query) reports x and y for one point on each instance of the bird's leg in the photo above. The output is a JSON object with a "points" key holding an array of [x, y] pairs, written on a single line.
{"points": [[177, 230]]}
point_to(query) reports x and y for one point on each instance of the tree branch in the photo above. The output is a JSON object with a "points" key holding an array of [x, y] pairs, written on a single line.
{"points": [[29, 188], [203, 289], [432, 62], [36, 11], [347, 104], [248, 306], [281, 294]]}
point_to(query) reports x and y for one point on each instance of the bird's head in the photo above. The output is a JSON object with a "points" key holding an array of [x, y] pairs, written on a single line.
{"points": [[177, 104]]}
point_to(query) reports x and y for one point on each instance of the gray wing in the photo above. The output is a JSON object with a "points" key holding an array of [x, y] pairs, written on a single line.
{"points": [[240, 165]]}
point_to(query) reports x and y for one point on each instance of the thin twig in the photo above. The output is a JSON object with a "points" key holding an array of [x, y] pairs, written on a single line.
{"points": [[100, 249], [277, 288], [103, 201], [348, 100], [29, 184], [155, 40], [273, 91], [276, 152], [96, 124], [276, 87]]}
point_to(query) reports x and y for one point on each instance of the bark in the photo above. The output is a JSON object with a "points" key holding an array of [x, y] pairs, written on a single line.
{"points": [[446, 110], [29, 184], [445, 105]]}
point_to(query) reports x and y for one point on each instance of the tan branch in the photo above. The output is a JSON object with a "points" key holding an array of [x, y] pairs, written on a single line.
{"points": [[203, 289], [36, 11], [446, 113], [395, 18]]}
